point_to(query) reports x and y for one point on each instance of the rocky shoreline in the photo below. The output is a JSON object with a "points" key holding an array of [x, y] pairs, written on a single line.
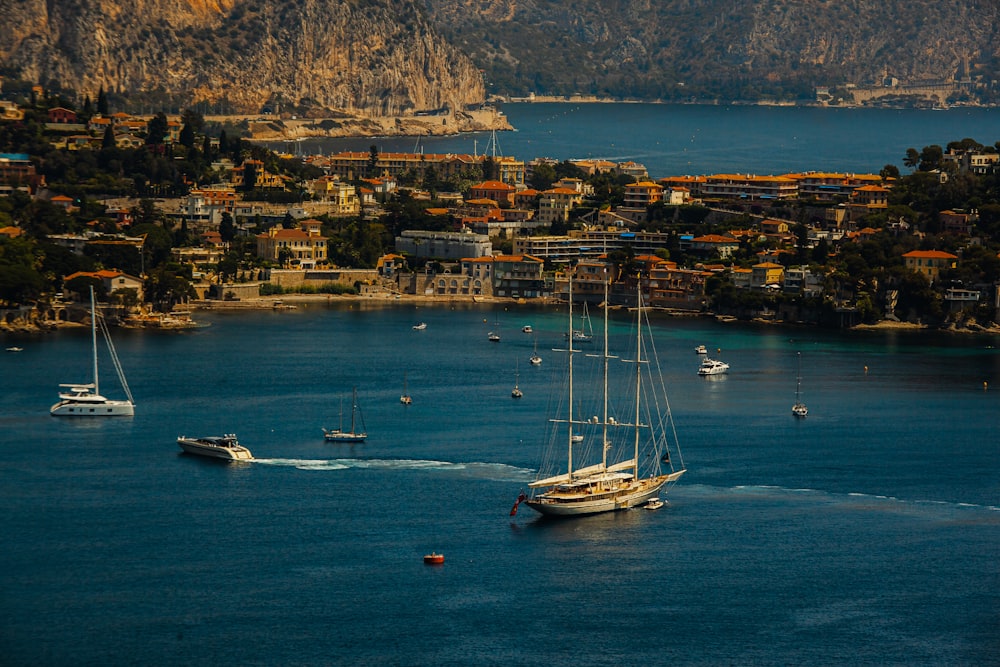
{"points": [[442, 124]]}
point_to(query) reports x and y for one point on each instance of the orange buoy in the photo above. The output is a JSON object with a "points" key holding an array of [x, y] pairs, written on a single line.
{"points": [[434, 558]]}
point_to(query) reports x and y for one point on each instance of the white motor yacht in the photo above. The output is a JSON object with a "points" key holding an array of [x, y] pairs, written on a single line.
{"points": [[712, 367]]}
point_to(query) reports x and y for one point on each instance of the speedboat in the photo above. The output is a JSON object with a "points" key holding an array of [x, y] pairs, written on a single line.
{"points": [[420, 327], [527, 329], [653, 504], [701, 350], [225, 447], [712, 367]]}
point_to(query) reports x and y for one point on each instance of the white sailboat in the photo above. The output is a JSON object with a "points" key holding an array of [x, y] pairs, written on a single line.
{"points": [[494, 335], [585, 333], [85, 400], [534, 358], [632, 462], [516, 392], [354, 435], [799, 409]]}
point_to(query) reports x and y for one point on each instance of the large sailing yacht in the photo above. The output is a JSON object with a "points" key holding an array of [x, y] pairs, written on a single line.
{"points": [[628, 460]]}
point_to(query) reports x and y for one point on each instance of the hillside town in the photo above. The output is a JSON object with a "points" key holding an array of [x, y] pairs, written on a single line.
{"points": [[166, 214]]}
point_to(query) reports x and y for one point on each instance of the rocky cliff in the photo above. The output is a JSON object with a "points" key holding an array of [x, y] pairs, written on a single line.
{"points": [[730, 49], [374, 57]]}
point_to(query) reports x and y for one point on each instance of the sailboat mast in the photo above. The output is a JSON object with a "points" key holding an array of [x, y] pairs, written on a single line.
{"points": [[604, 418], [638, 369], [798, 379], [93, 336], [354, 406], [569, 424]]}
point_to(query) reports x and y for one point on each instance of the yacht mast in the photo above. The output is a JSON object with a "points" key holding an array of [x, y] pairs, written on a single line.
{"points": [[638, 370], [604, 435], [93, 336], [569, 353]]}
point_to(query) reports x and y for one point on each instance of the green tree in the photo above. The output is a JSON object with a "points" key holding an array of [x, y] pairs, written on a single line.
{"points": [[227, 229], [108, 141], [20, 279], [912, 158], [102, 102], [156, 130], [889, 171], [372, 161]]}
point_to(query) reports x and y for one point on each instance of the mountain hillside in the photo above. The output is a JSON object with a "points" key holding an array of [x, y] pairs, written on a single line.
{"points": [[375, 56], [384, 58], [732, 49]]}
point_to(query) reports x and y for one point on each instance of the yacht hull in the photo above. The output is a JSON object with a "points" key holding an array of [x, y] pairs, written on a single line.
{"points": [[92, 409], [578, 503], [200, 447], [336, 436]]}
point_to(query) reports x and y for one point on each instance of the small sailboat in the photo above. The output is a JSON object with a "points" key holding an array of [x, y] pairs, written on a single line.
{"points": [[534, 358], [631, 462], [353, 435], [85, 400], [585, 333], [516, 392], [494, 335], [799, 409], [405, 397]]}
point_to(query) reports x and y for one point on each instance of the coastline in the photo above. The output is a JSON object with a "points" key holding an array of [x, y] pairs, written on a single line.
{"points": [[445, 124], [34, 326]]}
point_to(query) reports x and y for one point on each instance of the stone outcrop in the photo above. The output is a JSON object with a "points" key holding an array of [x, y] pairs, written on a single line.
{"points": [[305, 57]]}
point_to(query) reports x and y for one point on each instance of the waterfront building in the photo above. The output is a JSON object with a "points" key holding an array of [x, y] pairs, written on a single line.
{"points": [[303, 247], [443, 245], [929, 263], [518, 276], [766, 274], [674, 287], [113, 281]]}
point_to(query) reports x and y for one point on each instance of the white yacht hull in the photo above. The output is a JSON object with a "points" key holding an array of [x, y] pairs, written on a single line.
{"points": [[577, 503], [69, 408]]}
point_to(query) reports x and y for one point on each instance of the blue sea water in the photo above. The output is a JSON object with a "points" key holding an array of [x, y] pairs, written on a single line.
{"points": [[672, 140], [867, 533]]}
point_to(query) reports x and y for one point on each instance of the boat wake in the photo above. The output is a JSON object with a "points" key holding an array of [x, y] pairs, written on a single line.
{"points": [[939, 509], [498, 472]]}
